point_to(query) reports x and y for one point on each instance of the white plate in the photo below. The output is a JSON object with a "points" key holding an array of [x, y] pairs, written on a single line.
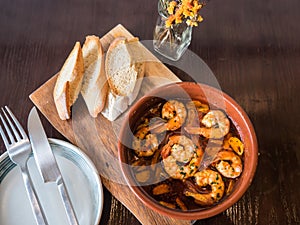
{"points": [[80, 176]]}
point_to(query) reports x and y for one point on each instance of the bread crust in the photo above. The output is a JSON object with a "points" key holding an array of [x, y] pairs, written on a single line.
{"points": [[68, 83], [95, 87]]}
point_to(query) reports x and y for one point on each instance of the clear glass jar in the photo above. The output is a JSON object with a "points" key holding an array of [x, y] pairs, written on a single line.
{"points": [[170, 42]]}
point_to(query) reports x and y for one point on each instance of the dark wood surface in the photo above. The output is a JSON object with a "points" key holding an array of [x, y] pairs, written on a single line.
{"points": [[252, 47]]}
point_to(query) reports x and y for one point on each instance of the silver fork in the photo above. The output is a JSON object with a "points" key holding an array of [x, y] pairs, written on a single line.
{"points": [[19, 150]]}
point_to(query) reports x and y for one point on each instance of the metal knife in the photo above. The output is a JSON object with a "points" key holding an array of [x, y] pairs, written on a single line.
{"points": [[46, 162]]}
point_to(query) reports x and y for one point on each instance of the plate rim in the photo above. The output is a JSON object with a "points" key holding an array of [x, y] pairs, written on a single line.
{"points": [[90, 164]]}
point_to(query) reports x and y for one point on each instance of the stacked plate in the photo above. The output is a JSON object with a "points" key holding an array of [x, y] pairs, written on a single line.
{"points": [[80, 176]]}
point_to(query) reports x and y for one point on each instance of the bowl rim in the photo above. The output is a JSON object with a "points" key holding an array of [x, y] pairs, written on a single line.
{"points": [[201, 213]]}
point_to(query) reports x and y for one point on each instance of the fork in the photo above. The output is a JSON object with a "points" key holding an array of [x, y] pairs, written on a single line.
{"points": [[19, 150]]}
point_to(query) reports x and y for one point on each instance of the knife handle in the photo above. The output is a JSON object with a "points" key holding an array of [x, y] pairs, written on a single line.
{"points": [[39, 215], [67, 203]]}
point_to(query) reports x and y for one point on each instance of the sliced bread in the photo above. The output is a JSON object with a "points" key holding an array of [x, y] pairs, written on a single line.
{"points": [[123, 65], [94, 86], [125, 70], [68, 83], [116, 104]]}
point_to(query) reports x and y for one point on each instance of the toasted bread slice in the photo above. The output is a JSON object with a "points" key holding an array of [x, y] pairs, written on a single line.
{"points": [[123, 65], [94, 86], [68, 83], [116, 104], [125, 69]]}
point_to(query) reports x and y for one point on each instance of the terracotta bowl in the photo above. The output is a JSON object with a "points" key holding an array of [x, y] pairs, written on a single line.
{"points": [[214, 98]]}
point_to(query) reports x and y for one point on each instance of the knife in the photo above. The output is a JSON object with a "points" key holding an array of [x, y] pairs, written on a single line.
{"points": [[46, 162]]}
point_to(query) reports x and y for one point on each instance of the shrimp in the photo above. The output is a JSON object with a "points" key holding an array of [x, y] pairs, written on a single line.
{"points": [[194, 109], [228, 164], [216, 124], [204, 179], [181, 158], [175, 113], [145, 143]]}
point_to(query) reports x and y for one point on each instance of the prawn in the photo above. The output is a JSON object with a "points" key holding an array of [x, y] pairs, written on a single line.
{"points": [[206, 178], [228, 164], [216, 124], [145, 143], [174, 112], [181, 158], [194, 109]]}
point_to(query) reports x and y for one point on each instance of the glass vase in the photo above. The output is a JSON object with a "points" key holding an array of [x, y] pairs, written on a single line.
{"points": [[173, 41]]}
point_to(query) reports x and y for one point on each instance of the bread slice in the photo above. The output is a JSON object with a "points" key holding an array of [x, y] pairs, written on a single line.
{"points": [[125, 69], [94, 86], [116, 104], [123, 64], [68, 83]]}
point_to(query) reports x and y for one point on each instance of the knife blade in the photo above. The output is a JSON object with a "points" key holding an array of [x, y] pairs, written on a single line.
{"points": [[46, 162]]}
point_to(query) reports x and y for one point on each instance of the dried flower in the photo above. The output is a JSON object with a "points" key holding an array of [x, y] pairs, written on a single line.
{"points": [[171, 7], [183, 10]]}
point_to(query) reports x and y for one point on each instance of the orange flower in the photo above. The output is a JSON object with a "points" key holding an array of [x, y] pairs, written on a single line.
{"points": [[187, 3], [192, 23], [200, 18], [170, 20], [178, 15], [184, 10], [171, 7], [196, 7]]}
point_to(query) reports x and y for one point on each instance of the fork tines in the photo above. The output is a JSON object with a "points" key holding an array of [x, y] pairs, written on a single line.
{"points": [[10, 123]]}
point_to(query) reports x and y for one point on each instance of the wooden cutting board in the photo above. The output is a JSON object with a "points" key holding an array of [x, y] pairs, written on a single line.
{"points": [[98, 137]]}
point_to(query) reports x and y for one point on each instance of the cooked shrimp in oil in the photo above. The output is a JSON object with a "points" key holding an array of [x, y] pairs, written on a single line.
{"points": [[216, 125], [174, 112], [180, 156], [167, 154], [145, 143], [195, 111], [228, 164], [204, 179]]}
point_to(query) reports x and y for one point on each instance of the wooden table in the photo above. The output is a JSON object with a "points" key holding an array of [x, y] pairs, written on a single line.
{"points": [[252, 47]]}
